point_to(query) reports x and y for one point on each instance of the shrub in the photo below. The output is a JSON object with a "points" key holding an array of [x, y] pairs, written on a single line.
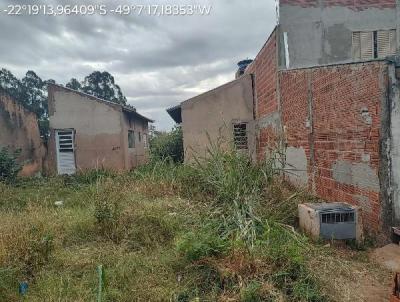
{"points": [[9, 166], [168, 146]]}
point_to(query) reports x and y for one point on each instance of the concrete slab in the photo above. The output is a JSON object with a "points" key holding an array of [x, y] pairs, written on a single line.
{"points": [[388, 256]]}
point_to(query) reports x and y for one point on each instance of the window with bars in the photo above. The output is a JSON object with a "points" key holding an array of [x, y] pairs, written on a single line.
{"points": [[240, 136], [368, 45]]}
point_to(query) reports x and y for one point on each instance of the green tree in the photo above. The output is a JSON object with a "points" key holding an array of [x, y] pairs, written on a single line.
{"points": [[35, 94], [10, 84], [74, 84], [102, 85], [167, 145]]}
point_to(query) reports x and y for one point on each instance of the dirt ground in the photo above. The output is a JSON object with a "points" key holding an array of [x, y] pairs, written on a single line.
{"points": [[353, 275]]}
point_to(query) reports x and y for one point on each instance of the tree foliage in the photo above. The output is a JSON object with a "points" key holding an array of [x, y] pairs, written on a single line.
{"points": [[35, 94], [102, 85], [74, 84], [168, 146]]}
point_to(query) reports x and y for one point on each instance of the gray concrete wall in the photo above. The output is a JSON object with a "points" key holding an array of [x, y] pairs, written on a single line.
{"points": [[323, 34], [210, 116], [101, 131], [19, 131]]}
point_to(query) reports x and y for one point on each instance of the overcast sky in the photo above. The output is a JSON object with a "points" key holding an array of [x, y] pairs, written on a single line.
{"points": [[157, 61]]}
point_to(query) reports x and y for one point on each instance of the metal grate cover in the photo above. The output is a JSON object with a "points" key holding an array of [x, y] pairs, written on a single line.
{"points": [[337, 221]]}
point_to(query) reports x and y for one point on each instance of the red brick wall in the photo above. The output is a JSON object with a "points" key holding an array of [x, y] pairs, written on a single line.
{"points": [[294, 97], [264, 69], [332, 114], [344, 127]]}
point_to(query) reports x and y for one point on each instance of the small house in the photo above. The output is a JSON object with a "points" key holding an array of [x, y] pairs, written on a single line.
{"points": [[87, 132]]}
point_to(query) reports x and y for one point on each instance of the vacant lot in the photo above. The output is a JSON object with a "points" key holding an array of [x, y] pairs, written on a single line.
{"points": [[169, 233]]}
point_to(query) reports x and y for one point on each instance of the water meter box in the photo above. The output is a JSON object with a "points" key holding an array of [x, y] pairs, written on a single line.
{"points": [[336, 220]]}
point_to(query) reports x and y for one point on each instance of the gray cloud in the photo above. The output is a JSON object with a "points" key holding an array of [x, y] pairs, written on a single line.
{"points": [[157, 61]]}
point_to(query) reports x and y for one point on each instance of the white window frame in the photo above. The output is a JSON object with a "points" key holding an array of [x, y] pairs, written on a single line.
{"points": [[368, 45]]}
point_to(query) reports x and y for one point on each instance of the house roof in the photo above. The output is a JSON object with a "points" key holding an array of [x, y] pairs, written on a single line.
{"points": [[176, 113], [124, 108]]}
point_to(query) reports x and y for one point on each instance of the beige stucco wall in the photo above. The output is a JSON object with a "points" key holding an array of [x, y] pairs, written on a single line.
{"points": [[101, 139], [212, 115], [139, 154], [19, 130]]}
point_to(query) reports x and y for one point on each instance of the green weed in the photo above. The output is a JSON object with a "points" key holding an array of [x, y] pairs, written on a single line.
{"points": [[197, 245]]}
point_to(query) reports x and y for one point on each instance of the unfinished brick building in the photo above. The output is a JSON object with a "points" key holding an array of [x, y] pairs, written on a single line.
{"points": [[326, 93], [338, 126], [336, 115]]}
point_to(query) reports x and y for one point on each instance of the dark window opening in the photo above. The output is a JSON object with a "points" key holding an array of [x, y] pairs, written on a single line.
{"points": [[131, 139]]}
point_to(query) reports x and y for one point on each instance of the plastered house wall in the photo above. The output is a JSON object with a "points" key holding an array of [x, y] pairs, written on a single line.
{"points": [[210, 116], [101, 131], [19, 131]]}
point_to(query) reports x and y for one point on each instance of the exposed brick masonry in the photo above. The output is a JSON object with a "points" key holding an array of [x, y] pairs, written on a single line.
{"points": [[332, 115], [264, 69], [344, 126]]}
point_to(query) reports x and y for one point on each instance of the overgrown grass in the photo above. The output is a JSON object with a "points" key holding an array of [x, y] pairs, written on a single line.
{"points": [[218, 230]]}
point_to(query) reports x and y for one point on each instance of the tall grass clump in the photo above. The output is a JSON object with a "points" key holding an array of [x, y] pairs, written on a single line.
{"points": [[237, 185]]}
